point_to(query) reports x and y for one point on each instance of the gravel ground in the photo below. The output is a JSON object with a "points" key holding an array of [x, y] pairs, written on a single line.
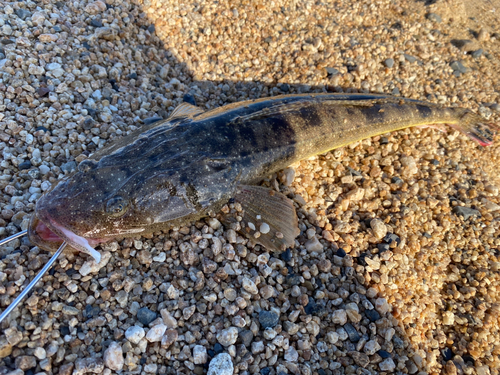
{"points": [[397, 266]]}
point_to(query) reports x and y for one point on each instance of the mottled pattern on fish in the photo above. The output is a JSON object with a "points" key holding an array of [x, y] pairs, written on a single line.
{"points": [[174, 171]]}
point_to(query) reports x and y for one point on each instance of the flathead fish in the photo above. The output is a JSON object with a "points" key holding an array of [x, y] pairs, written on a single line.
{"points": [[177, 170]]}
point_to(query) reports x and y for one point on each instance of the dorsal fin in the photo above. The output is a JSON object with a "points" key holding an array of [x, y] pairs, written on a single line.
{"points": [[185, 110]]}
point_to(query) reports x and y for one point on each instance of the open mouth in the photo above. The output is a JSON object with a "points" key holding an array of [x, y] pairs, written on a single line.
{"points": [[48, 233]]}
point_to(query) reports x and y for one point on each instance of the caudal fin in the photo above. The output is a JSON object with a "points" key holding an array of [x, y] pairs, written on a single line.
{"points": [[477, 129]]}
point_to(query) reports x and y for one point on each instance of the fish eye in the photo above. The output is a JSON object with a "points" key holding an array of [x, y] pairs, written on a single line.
{"points": [[116, 206], [87, 165]]}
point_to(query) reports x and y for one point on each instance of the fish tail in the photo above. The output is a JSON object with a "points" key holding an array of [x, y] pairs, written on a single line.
{"points": [[476, 128]]}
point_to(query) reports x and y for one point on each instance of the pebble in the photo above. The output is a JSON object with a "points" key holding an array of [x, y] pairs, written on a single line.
{"points": [[156, 333], [134, 334], [246, 337], [146, 316], [113, 357], [249, 285], [352, 332], [339, 317], [25, 362], [221, 365], [200, 356], [227, 336], [313, 245], [371, 347], [466, 212], [387, 365], [88, 365], [382, 306], [434, 17], [40, 353], [291, 354], [268, 319], [379, 228]]}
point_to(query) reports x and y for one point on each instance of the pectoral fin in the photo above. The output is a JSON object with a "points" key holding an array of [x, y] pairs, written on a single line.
{"points": [[268, 217], [184, 110]]}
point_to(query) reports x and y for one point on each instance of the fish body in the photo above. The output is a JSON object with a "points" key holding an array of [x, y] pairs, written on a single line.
{"points": [[180, 169]]}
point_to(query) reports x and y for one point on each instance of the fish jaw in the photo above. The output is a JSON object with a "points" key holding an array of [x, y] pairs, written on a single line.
{"points": [[47, 234]]}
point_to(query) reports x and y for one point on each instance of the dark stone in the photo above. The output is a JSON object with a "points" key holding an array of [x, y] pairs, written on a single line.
{"points": [[354, 172], [447, 354], [383, 247], [286, 255], [434, 17], [397, 26], [7, 41], [352, 332], [332, 71], [92, 311], [395, 91], [398, 343], [151, 29], [211, 353], [384, 140], [132, 75], [268, 319], [466, 212], [189, 98], [434, 162], [146, 316], [396, 180], [71, 271], [312, 308], [246, 337], [42, 91], [88, 123], [477, 54], [218, 348], [285, 87], [68, 167], [59, 4], [64, 330], [361, 259], [96, 22], [426, 235], [468, 358], [86, 45], [321, 372], [341, 253], [25, 165], [57, 28], [383, 354], [373, 315], [391, 237], [143, 360], [410, 58], [293, 279], [151, 120], [458, 66], [265, 371], [91, 111], [22, 13], [114, 86]]}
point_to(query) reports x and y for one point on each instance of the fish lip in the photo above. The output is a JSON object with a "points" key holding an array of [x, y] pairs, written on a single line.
{"points": [[57, 229]]}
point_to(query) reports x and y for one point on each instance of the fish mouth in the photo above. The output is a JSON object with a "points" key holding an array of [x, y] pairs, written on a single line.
{"points": [[48, 234]]}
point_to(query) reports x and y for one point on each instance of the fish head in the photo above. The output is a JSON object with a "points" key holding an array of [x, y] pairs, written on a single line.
{"points": [[101, 202]]}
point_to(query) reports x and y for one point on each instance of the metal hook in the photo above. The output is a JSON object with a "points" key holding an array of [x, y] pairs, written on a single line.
{"points": [[37, 278]]}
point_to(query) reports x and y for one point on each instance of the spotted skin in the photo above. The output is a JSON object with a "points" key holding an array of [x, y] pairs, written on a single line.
{"points": [[171, 172]]}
